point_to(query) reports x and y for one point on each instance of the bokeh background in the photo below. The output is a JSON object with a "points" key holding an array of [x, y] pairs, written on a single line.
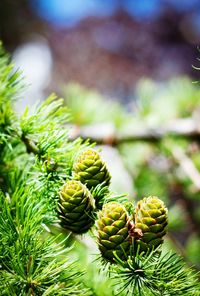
{"points": [[124, 68], [107, 45]]}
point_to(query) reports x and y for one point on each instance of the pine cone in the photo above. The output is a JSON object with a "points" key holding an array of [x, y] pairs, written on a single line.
{"points": [[90, 169], [151, 218], [113, 233], [76, 207]]}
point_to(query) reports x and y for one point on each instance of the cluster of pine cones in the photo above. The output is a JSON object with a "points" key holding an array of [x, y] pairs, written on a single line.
{"points": [[117, 228]]}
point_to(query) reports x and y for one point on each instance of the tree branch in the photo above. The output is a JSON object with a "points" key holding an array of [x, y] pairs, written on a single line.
{"points": [[31, 146], [107, 134], [186, 128], [187, 166]]}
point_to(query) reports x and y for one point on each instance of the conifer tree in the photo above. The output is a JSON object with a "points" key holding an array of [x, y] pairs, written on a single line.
{"points": [[45, 180]]}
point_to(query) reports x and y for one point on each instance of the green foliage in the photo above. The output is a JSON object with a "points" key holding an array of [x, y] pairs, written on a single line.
{"points": [[160, 103], [29, 264], [192, 247], [35, 159], [96, 278], [90, 107], [177, 217], [151, 164], [9, 79], [8, 93], [155, 274], [37, 255]]}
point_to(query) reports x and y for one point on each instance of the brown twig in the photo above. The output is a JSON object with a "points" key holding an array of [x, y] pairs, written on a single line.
{"points": [[102, 134], [187, 166]]}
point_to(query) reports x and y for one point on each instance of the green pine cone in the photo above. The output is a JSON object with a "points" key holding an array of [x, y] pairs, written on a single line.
{"points": [[151, 217], [90, 169], [76, 207], [113, 235]]}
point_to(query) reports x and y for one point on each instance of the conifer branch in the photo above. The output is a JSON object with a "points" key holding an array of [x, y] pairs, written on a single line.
{"points": [[155, 273], [47, 179], [183, 128], [30, 265]]}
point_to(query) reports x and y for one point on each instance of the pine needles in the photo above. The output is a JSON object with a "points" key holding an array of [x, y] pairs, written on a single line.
{"points": [[156, 274], [36, 159], [34, 150]]}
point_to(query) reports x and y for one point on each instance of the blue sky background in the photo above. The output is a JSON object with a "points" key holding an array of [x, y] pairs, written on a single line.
{"points": [[69, 12]]}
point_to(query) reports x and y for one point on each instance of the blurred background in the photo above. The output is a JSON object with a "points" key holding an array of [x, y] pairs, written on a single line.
{"points": [[106, 45], [124, 68]]}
